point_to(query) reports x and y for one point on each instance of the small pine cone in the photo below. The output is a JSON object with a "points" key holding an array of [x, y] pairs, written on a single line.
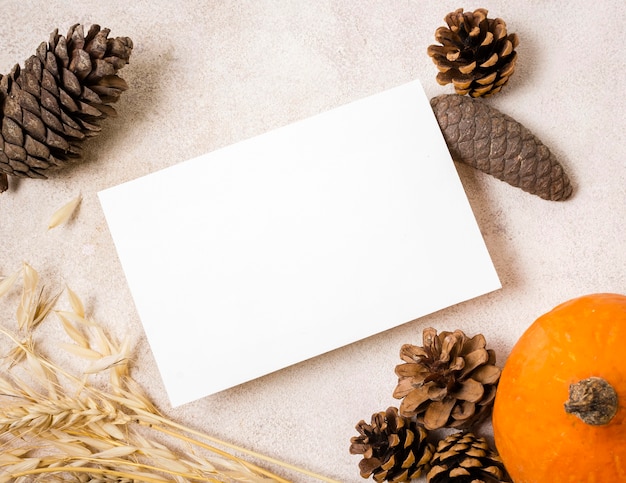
{"points": [[450, 382], [466, 458], [483, 137], [476, 54], [394, 448], [58, 99]]}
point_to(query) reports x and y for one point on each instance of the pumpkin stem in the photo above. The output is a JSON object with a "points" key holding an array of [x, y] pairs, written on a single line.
{"points": [[593, 400]]}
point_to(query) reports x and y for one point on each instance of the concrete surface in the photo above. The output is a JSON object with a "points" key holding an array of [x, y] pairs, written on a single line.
{"points": [[205, 74]]}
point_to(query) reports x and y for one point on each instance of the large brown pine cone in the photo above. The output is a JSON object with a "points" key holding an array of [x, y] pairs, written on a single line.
{"points": [[449, 382], [476, 54], [394, 448], [483, 137], [58, 99]]}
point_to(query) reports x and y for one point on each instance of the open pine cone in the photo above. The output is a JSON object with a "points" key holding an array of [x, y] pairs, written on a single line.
{"points": [[449, 382], [58, 99], [464, 458], [476, 54], [394, 448]]}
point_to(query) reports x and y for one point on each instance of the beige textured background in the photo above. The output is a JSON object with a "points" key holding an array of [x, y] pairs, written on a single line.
{"points": [[205, 74]]}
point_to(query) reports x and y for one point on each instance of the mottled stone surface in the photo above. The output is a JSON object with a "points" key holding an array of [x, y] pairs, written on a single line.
{"points": [[205, 74]]}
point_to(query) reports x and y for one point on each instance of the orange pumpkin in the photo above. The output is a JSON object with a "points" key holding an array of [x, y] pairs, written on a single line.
{"points": [[555, 418]]}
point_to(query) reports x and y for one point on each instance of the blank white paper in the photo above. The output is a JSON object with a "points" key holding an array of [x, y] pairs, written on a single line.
{"points": [[297, 242]]}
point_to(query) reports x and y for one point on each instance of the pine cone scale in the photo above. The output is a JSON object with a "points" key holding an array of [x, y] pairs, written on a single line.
{"points": [[488, 37], [487, 80], [464, 411], [469, 390], [67, 102], [411, 369], [487, 374], [436, 393], [491, 61], [438, 413], [90, 95], [38, 150], [11, 131], [367, 466], [417, 397], [60, 51], [12, 113], [473, 360], [27, 101], [47, 83], [71, 83], [409, 352], [80, 64], [33, 125]]}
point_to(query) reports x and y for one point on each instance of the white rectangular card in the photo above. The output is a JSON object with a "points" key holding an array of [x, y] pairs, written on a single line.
{"points": [[296, 242]]}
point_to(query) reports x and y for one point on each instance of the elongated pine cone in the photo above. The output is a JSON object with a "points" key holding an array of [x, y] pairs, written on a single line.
{"points": [[490, 141], [58, 99], [394, 448], [449, 382], [476, 54], [466, 458]]}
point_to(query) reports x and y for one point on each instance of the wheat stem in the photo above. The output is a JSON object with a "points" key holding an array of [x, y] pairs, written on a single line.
{"points": [[220, 442], [162, 420], [94, 471], [218, 451], [141, 466], [135, 408]]}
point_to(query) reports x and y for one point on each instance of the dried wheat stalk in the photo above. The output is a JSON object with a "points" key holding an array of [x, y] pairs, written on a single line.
{"points": [[57, 426]]}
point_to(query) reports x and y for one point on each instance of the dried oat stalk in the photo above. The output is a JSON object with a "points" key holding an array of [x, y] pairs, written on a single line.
{"points": [[490, 141], [58, 426]]}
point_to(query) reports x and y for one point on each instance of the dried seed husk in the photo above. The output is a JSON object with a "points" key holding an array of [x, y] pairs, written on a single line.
{"points": [[63, 214], [7, 282]]}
